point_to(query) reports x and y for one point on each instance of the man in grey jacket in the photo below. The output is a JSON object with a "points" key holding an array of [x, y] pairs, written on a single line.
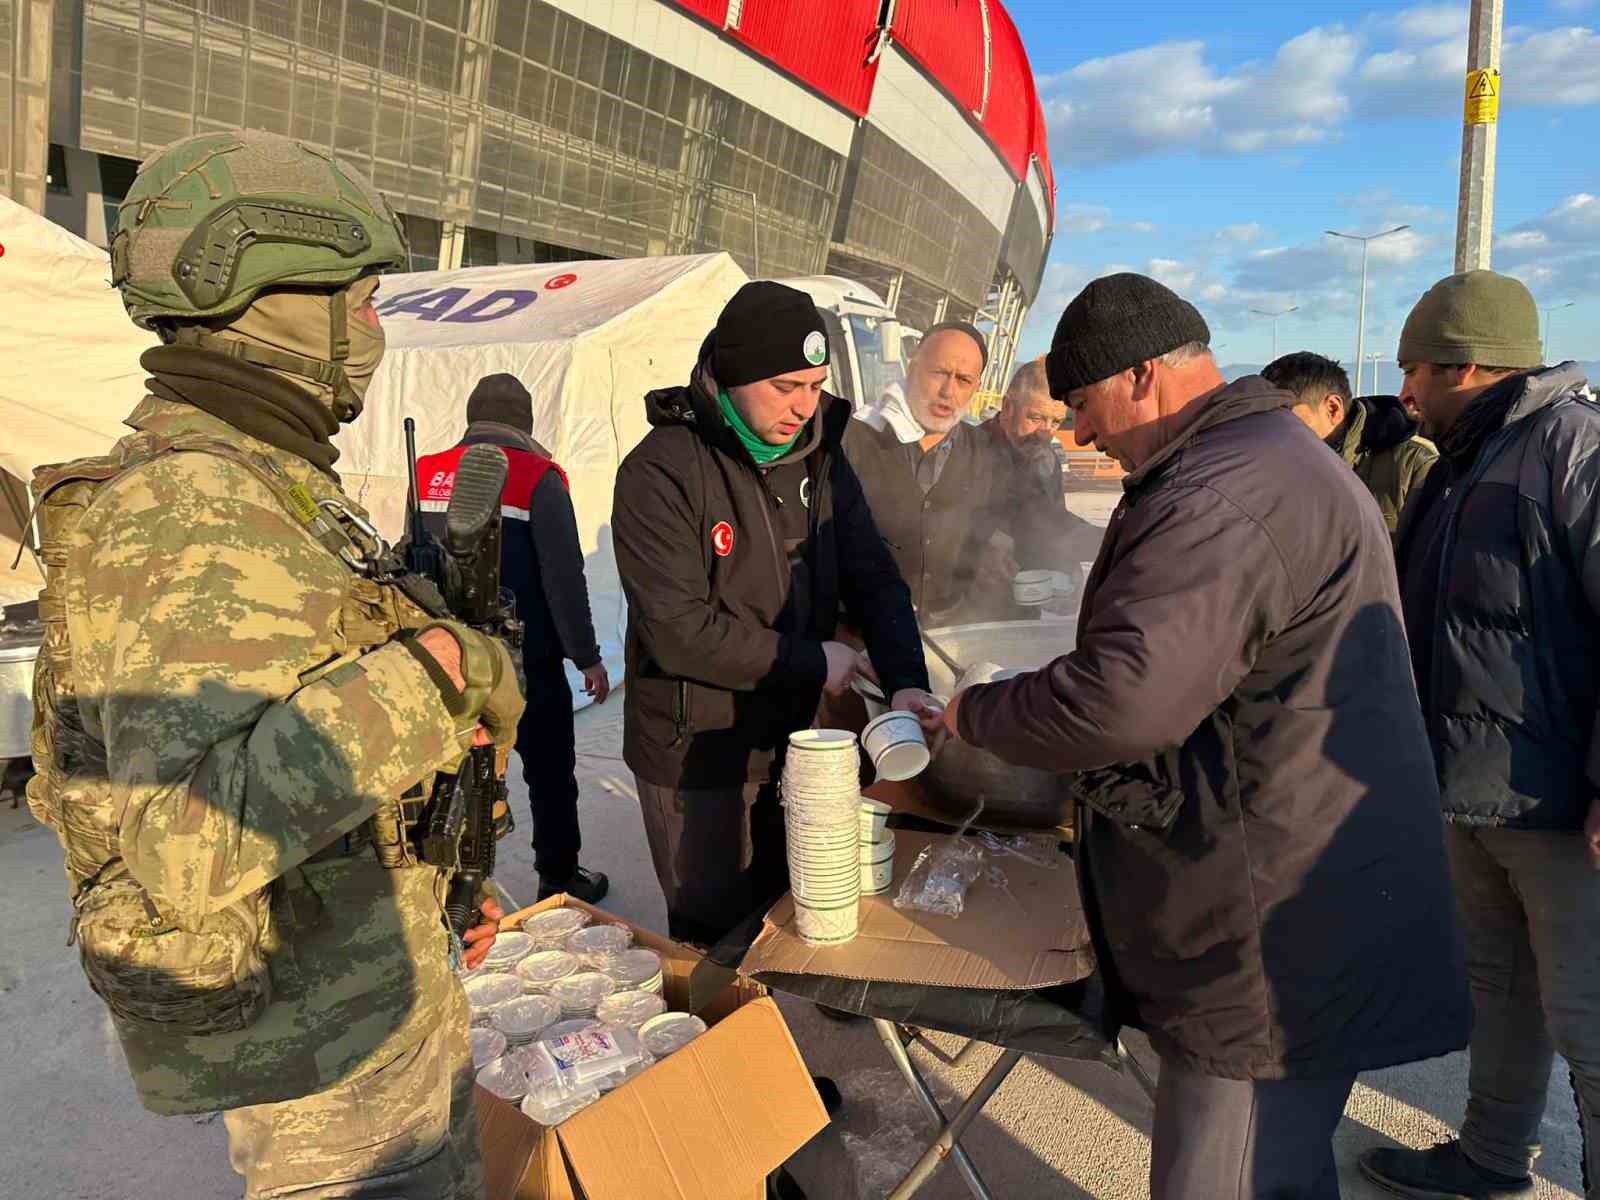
{"points": [[1260, 857], [1500, 576]]}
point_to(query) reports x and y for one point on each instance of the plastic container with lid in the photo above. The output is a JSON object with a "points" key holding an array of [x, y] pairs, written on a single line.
{"points": [[485, 991], [670, 1032], [543, 967], [525, 1017], [599, 944], [17, 657], [508, 950], [630, 1010], [580, 994], [550, 929], [639, 969], [488, 1044], [553, 1108], [572, 1025], [506, 1077]]}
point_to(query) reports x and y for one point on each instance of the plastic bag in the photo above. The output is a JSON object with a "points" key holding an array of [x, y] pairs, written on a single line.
{"points": [[576, 1062], [944, 870]]}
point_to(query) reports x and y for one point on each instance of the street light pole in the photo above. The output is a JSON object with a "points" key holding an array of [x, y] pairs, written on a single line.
{"points": [[1361, 317], [1479, 126], [1544, 338], [1374, 358], [1261, 312]]}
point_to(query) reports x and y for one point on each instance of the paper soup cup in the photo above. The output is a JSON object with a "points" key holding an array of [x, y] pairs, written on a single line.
{"points": [[872, 815], [876, 877], [896, 746], [823, 741], [1033, 587]]}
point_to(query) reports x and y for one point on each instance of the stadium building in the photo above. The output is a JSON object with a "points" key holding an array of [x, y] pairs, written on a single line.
{"points": [[897, 143]]}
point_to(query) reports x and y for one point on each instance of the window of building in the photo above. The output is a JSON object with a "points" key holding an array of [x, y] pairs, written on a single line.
{"points": [[116, 177], [422, 236], [56, 168]]}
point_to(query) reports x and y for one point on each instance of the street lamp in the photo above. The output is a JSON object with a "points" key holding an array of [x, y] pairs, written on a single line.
{"points": [[1261, 312], [1361, 319], [1544, 338], [1374, 358]]}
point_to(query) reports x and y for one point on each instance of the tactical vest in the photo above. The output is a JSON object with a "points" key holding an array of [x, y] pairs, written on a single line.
{"points": [[146, 969]]}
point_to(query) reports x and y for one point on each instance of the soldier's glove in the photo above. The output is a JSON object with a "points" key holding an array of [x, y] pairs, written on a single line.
{"points": [[488, 694]]}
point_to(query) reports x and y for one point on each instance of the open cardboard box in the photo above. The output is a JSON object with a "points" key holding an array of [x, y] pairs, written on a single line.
{"points": [[707, 1122]]}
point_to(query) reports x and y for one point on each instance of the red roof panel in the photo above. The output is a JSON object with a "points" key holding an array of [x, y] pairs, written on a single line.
{"points": [[946, 37], [823, 43], [1008, 118], [714, 11]]}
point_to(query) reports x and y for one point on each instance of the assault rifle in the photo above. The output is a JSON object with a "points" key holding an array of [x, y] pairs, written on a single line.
{"points": [[460, 825]]}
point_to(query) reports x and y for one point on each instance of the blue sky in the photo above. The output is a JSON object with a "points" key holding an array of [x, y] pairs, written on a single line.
{"points": [[1211, 146]]}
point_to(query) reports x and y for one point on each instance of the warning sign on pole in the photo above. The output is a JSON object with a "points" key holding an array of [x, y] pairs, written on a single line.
{"points": [[1483, 97]]}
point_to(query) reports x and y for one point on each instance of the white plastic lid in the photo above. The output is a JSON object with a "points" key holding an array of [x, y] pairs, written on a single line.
{"points": [[635, 968], [630, 1009], [669, 1032], [505, 1077], [600, 940], [543, 967], [554, 924], [485, 991], [487, 1045], [508, 949], [580, 993], [525, 1017]]}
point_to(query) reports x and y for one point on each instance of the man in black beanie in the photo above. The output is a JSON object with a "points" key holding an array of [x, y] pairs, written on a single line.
{"points": [[741, 533], [542, 564], [1258, 847]]}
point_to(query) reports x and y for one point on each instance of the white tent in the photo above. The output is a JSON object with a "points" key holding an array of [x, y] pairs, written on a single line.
{"points": [[69, 366], [588, 339]]}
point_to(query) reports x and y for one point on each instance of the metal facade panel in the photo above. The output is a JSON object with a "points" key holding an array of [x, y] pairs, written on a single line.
{"points": [[1041, 154], [823, 43], [714, 11], [946, 38], [1008, 119]]}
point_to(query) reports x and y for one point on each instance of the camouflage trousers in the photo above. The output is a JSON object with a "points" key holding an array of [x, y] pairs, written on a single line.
{"points": [[407, 1131]]}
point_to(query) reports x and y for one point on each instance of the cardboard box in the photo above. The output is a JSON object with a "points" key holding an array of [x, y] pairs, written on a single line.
{"points": [[710, 1121], [1032, 935]]}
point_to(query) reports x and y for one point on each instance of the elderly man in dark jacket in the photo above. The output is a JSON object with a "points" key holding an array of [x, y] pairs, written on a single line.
{"points": [[942, 493], [1260, 857], [741, 534], [1500, 573]]}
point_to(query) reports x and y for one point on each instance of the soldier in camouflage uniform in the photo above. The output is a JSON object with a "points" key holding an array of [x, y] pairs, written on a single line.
{"points": [[253, 700]]}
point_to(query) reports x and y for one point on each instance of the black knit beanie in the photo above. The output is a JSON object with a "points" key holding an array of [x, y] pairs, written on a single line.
{"points": [[1117, 322], [766, 330], [501, 398]]}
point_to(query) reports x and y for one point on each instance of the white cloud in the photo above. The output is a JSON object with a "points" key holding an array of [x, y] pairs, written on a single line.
{"points": [[1167, 97], [1240, 235], [1557, 254], [1174, 97], [1082, 218]]}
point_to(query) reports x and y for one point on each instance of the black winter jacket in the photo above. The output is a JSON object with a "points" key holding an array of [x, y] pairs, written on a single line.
{"points": [[937, 539], [718, 674], [1500, 559], [1261, 860]]}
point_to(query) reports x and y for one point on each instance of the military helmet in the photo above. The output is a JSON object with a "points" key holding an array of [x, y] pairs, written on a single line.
{"points": [[213, 220]]}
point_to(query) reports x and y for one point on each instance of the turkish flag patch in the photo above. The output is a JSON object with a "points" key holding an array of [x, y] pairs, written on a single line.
{"points": [[722, 539]]}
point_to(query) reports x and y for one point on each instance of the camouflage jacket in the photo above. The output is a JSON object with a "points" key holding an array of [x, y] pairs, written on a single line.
{"points": [[253, 711], [1383, 447]]}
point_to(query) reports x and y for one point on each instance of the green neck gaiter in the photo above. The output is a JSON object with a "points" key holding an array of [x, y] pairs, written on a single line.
{"points": [[763, 452]]}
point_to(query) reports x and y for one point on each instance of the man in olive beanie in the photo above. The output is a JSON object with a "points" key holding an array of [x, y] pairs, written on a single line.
{"points": [[1499, 558], [1259, 850]]}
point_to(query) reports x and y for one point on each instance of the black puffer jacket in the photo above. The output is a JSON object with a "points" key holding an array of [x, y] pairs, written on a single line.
{"points": [[723, 661], [1262, 861], [1500, 561]]}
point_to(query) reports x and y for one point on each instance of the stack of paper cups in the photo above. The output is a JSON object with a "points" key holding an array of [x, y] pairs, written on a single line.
{"points": [[877, 848], [821, 795]]}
